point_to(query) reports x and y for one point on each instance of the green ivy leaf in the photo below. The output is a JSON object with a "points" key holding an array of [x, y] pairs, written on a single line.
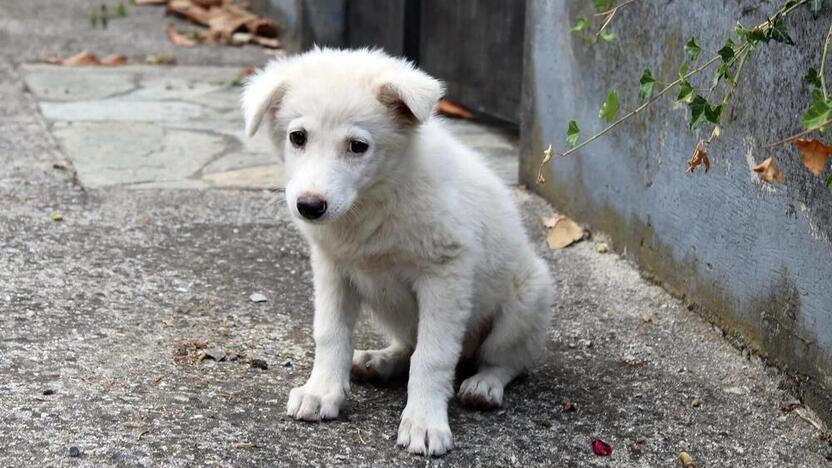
{"points": [[812, 78], [722, 72], [580, 25], [727, 51], [647, 83], [701, 112], [609, 108], [608, 36], [753, 36], [693, 49], [683, 70], [829, 182], [713, 114], [602, 5], [573, 133], [816, 6], [685, 92], [778, 33], [817, 114], [697, 111]]}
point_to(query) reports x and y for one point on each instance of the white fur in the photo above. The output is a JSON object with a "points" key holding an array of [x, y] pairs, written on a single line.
{"points": [[419, 233]]}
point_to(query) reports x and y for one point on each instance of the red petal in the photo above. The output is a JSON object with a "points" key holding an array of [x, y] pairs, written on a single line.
{"points": [[601, 448]]}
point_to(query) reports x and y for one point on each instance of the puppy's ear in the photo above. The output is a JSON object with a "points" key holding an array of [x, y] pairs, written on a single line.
{"points": [[410, 94], [263, 92]]}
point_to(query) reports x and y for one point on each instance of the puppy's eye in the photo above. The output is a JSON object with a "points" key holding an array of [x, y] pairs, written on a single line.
{"points": [[298, 138], [358, 146]]}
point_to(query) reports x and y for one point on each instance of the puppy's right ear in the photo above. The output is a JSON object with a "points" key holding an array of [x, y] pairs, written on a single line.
{"points": [[262, 93]]}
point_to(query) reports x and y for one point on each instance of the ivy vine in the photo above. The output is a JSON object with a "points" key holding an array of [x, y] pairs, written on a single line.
{"points": [[729, 62]]}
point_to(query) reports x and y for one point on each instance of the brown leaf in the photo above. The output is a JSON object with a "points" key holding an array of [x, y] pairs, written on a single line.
{"points": [[453, 109], [547, 156], [768, 171], [269, 42], [699, 158], [83, 59], [114, 60], [815, 154], [687, 460], [563, 233], [568, 405], [178, 39], [189, 11]]}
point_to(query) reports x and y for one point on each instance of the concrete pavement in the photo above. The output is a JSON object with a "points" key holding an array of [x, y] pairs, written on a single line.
{"points": [[127, 329]]}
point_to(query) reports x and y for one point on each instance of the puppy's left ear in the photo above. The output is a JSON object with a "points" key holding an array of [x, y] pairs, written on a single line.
{"points": [[262, 92], [410, 94]]}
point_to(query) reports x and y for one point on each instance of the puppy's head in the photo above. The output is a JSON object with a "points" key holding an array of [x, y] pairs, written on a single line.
{"points": [[341, 119]]}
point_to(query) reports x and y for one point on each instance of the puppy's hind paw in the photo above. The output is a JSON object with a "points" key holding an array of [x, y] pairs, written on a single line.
{"points": [[481, 391]]}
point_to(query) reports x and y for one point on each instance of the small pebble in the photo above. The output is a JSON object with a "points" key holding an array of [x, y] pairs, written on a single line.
{"points": [[48, 392], [57, 217], [602, 248], [257, 297], [696, 402], [259, 364], [287, 364], [74, 452]]}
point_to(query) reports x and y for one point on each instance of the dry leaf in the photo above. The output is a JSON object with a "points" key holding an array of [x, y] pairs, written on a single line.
{"points": [[551, 221], [568, 405], [114, 60], [700, 158], [648, 317], [165, 58], [83, 59], [687, 460], [563, 233], [453, 109], [768, 171], [178, 39], [601, 448], [547, 156], [815, 155]]}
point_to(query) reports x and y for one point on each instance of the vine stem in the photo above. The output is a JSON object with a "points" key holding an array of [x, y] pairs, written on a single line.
{"points": [[798, 135], [615, 8], [823, 62]]}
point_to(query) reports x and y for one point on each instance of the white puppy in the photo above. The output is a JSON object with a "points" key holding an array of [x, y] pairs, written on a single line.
{"points": [[407, 224]]}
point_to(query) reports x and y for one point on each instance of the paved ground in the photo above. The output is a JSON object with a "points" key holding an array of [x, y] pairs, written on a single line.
{"points": [[108, 318]]}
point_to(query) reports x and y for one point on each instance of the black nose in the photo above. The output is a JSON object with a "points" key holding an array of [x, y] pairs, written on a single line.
{"points": [[311, 206]]}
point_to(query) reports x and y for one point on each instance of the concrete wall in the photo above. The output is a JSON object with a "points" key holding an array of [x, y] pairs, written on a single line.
{"points": [[306, 22], [754, 258]]}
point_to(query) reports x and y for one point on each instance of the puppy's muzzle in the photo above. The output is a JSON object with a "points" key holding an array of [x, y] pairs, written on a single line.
{"points": [[311, 206]]}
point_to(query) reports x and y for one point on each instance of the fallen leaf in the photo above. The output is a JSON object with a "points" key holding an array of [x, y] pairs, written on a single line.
{"points": [[551, 221], [57, 217], [563, 233], [601, 448], [568, 405], [85, 58], [789, 406], [815, 155], [114, 60], [699, 158], [165, 58], [769, 171], [648, 317], [687, 460], [178, 39], [696, 403], [453, 109]]}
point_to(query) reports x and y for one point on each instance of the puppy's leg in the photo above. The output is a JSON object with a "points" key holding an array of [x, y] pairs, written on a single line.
{"points": [[381, 364], [444, 308], [516, 341], [336, 308]]}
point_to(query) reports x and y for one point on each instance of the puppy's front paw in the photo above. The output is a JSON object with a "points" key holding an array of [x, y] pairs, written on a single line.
{"points": [[425, 432], [315, 402], [378, 364], [481, 391]]}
